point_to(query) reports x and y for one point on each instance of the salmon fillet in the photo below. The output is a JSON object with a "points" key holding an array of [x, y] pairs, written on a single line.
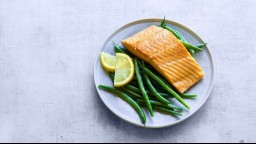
{"points": [[167, 55]]}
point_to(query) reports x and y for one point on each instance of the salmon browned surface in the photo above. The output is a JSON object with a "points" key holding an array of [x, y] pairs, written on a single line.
{"points": [[167, 55]]}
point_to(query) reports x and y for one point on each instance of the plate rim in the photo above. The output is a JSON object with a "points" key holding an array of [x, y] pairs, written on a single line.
{"points": [[176, 24]]}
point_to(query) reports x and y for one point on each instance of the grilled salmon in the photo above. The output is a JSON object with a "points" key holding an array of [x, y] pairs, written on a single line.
{"points": [[167, 55]]}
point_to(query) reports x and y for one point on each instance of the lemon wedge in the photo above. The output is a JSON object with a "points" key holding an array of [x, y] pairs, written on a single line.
{"points": [[124, 70], [108, 62]]}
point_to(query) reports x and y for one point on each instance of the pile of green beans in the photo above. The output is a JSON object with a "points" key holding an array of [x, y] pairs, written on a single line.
{"points": [[149, 89], [166, 87], [133, 89]]}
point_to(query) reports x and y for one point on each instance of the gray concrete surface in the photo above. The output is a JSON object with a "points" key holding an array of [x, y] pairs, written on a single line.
{"points": [[47, 52]]}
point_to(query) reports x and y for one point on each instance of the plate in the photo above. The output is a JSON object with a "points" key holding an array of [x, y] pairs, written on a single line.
{"points": [[125, 111]]}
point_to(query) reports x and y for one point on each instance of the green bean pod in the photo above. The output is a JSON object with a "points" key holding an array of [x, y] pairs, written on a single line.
{"points": [[163, 23], [162, 109], [192, 51], [184, 96], [165, 110], [142, 88], [121, 50], [188, 96], [131, 93], [190, 46], [127, 99], [181, 36], [184, 40], [117, 48], [173, 32], [156, 103], [201, 45], [133, 88]]}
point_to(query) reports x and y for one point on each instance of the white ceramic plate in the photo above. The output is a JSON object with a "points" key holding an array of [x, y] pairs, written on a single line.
{"points": [[126, 112]]}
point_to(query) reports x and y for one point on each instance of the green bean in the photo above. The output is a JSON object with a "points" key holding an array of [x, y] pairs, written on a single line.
{"points": [[192, 51], [153, 90], [165, 110], [190, 46], [166, 95], [127, 99], [201, 45], [117, 48], [184, 96], [188, 96], [163, 23], [165, 81], [181, 36], [142, 88], [159, 88], [173, 32], [182, 39], [133, 88], [121, 50], [134, 94], [166, 87], [130, 95], [156, 103]]}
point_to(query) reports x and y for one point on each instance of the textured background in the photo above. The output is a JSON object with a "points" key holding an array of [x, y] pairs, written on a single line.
{"points": [[47, 52]]}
